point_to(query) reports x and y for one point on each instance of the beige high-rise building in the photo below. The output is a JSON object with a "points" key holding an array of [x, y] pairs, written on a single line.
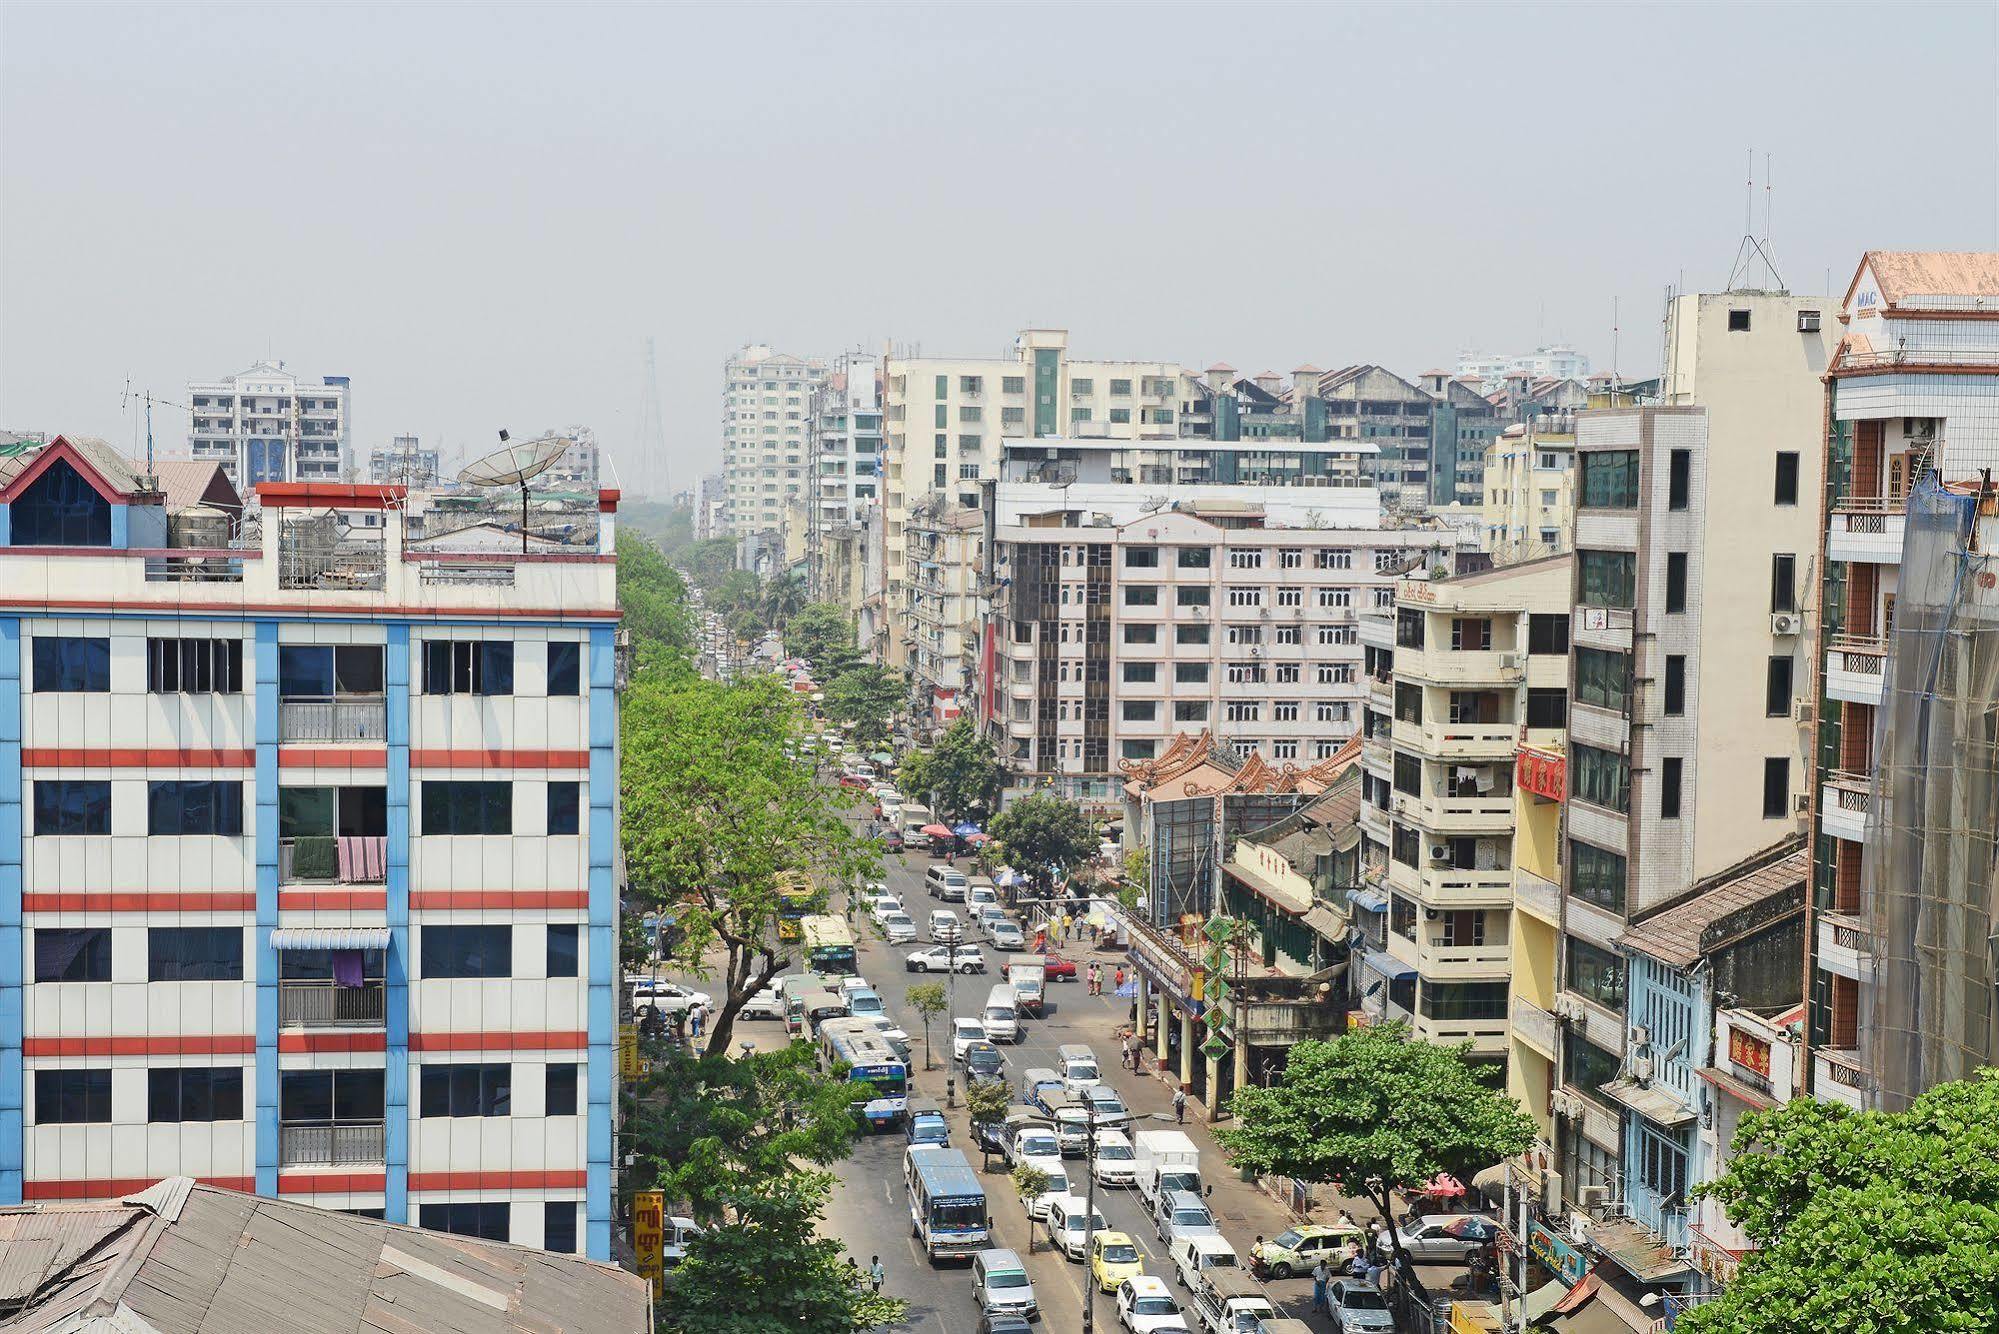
{"points": [[766, 403]]}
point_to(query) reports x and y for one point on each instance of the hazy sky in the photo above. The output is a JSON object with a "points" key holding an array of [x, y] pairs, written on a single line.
{"points": [[478, 211]]}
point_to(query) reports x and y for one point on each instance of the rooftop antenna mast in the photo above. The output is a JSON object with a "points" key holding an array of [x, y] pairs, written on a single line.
{"points": [[650, 439]]}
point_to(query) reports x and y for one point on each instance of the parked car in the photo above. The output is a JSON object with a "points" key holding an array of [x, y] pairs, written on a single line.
{"points": [[983, 1061], [1145, 1306], [946, 959], [669, 997], [1359, 1307], [898, 928], [1114, 1258], [1296, 1250], [766, 1004], [1005, 935], [965, 1032], [1055, 967], [1452, 1238]]}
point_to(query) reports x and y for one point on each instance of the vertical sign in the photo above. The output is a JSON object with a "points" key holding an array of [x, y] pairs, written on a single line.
{"points": [[649, 1236], [629, 1066]]}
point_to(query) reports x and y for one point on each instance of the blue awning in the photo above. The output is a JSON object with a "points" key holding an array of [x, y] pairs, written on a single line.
{"points": [[1387, 965], [1370, 899]]}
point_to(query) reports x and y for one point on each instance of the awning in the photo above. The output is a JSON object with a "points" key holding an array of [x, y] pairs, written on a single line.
{"points": [[1736, 1088], [1326, 922], [1650, 1102], [1372, 900], [330, 938], [1387, 965]]}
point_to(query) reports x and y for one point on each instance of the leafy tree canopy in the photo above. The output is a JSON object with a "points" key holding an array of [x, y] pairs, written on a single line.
{"points": [[867, 697], [962, 772], [824, 635], [654, 597], [1042, 830]]}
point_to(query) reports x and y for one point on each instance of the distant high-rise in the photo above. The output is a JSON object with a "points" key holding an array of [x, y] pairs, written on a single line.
{"points": [[268, 424], [766, 400], [1559, 362]]}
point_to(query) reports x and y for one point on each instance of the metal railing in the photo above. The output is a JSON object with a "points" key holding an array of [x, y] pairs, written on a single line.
{"points": [[1535, 1025], [324, 1005], [194, 569], [1847, 931], [333, 718], [337, 566], [1843, 1067], [331, 1145]]}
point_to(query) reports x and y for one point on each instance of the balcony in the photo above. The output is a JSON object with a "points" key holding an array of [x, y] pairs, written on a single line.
{"points": [[1373, 821], [1451, 887], [1854, 667], [1459, 741], [1468, 667], [1458, 815], [1281, 1023], [1843, 804], [1487, 1036], [1463, 963], [1381, 694], [1838, 1076], [333, 718], [1536, 1027], [314, 558], [339, 1144], [1866, 528], [325, 860], [323, 1005], [1845, 946], [1542, 898]]}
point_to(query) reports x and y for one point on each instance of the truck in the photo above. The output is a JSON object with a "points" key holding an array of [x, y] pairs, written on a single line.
{"points": [[1166, 1160], [1028, 981], [1230, 1302], [910, 820]]}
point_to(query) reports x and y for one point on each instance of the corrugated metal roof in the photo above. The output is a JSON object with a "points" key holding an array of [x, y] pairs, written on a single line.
{"points": [[330, 938], [1673, 936]]}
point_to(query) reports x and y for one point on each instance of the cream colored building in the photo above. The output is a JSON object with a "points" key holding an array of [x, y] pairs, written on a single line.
{"points": [[1479, 664], [1530, 496], [946, 552], [766, 402]]}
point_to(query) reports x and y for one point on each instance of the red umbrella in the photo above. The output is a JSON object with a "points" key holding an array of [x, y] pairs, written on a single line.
{"points": [[1443, 1184], [936, 831]]}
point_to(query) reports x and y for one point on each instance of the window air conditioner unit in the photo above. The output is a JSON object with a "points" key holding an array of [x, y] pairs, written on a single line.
{"points": [[1801, 803], [1440, 853], [1920, 428], [1786, 623], [1593, 1197], [1808, 321], [1804, 710], [1564, 1103], [1640, 1035]]}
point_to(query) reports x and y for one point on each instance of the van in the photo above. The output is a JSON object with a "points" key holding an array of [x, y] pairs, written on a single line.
{"points": [[1002, 1014], [1001, 1285], [1179, 1214], [1195, 1254], [981, 889], [943, 882], [911, 820], [1036, 1078], [1079, 1066]]}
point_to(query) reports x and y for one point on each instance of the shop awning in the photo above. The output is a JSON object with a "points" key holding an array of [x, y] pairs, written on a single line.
{"points": [[1372, 900], [330, 938], [1651, 1102], [1736, 1088]]}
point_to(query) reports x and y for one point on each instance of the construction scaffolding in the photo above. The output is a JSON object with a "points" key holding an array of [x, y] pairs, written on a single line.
{"points": [[1931, 869]]}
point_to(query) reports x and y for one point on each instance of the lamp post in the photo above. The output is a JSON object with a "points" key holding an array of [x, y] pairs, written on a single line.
{"points": [[1090, 1222]]}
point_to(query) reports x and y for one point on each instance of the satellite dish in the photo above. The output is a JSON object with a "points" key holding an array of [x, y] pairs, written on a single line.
{"points": [[516, 465]]}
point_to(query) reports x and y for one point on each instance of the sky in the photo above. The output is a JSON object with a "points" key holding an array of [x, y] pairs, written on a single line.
{"points": [[479, 212]]}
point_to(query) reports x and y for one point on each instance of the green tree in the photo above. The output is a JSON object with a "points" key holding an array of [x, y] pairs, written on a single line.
{"points": [[654, 597], [1374, 1111], [736, 592], [868, 697], [1044, 833], [714, 812], [1137, 872], [1866, 1222], [780, 596], [824, 635], [712, 560], [1029, 1182], [986, 1103], [929, 1001], [962, 773]]}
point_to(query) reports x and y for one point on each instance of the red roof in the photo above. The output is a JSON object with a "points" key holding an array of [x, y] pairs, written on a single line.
{"points": [[331, 495]]}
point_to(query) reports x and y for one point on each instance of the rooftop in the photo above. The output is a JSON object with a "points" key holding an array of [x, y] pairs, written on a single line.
{"points": [[1677, 935], [1903, 274]]}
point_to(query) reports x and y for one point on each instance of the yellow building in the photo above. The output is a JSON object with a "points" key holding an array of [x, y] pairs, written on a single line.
{"points": [[1530, 498], [1540, 775]]}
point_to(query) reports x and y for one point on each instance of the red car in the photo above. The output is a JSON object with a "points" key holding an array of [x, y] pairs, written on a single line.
{"points": [[1055, 966]]}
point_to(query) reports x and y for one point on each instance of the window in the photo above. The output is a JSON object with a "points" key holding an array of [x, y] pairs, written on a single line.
{"points": [[560, 1086], [61, 509], [315, 671], [1470, 634], [1596, 876], [1402, 916], [1331, 598], [562, 950], [1286, 634], [467, 667], [1777, 688], [1190, 711], [1676, 581], [72, 806], [1595, 973], [565, 667], [1013, 384], [1244, 634], [73, 954], [1326, 712], [1283, 750], [1141, 673], [194, 954], [1404, 843], [1464, 928], [1241, 711], [465, 806], [72, 1097], [194, 666], [1776, 788], [1675, 702], [466, 1090], [1679, 478], [1606, 579], [565, 802], [195, 806], [1337, 634], [1143, 749], [1290, 558], [195, 1093], [1290, 597], [1409, 627], [1669, 788], [1463, 1000], [1548, 633], [1143, 634], [1139, 710], [1190, 673], [1738, 321], [1547, 707], [1195, 558], [1408, 774], [1662, 1157], [558, 1226], [72, 664], [1603, 679], [466, 951], [1191, 597], [1600, 777], [1245, 558], [1141, 595], [1189, 634], [1610, 479], [1787, 477], [486, 1221], [1141, 558], [1245, 597], [1408, 702], [1284, 712], [1783, 583]]}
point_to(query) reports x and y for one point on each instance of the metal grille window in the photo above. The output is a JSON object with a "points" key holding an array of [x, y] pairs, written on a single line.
{"points": [[1662, 1161], [194, 666]]}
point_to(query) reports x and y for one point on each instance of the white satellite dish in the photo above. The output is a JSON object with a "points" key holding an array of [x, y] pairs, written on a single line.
{"points": [[516, 465]]}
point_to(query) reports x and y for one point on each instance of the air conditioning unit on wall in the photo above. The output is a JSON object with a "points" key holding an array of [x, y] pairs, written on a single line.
{"points": [[1786, 623]]}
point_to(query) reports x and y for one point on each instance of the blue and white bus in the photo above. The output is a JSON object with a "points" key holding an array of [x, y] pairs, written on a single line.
{"points": [[870, 1061], [947, 1205]]}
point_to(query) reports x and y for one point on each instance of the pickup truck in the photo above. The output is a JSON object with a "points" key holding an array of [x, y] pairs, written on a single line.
{"points": [[1229, 1302]]}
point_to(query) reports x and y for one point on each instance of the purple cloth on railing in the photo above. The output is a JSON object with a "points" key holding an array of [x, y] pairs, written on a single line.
{"points": [[347, 968], [363, 858]]}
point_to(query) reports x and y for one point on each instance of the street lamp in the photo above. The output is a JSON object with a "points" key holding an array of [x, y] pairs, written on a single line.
{"points": [[1090, 1223]]}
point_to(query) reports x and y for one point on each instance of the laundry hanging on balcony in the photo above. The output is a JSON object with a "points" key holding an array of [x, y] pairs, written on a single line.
{"points": [[363, 859], [348, 969]]}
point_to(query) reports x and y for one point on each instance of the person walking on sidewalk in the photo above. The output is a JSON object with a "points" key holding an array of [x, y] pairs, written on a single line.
{"points": [[1180, 1104], [876, 1274], [1320, 1276]]}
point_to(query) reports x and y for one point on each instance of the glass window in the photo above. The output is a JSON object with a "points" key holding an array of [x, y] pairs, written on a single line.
{"points": [[1409, 627], [1595, 973], [61, 509], [194, 666], [1777, 691], [1669, 787], [194, 954], [195, 1094], [466, 951], [1140, 710], [486, 1221], [1662, 1160], [1679, 478], [1190, 673], [468, 667], [558, 1226], [1600, 777], [562, 950], [1141, 558], [73, 954], [565, 667], [1675, 702], [1776, 788], [466, 1090], [1610, 479], [1141, 634], [1195, 558], [1606, 579], [1192, 597], [456, 806], [1463, 1000], [1787, 477], [1586, 1066], [1603, 678], [317, 671], [72, 1097], [1408, 703], [71, 664], [1141, 673], [560, 1095], [1676, 581], [564, 807], [72, 806], [1547, 707], [1141, 595], [1783, 583], [194, 806], [1190, 634], [1596, 876], [1548, 633]]}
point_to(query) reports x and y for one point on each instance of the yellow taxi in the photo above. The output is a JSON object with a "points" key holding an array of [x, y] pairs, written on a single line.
{"points": [[1113, 1259]]}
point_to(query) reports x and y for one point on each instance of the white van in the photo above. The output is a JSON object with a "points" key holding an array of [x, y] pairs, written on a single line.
{"points": [[1002, 1014], [1079, 1066]]}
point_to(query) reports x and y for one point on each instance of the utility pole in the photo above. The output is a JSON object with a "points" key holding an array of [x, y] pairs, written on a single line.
{"points": [[1090, 1225]]}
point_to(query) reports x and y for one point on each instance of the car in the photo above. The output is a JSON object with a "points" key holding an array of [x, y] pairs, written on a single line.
{"points": [[670, 997], [853, 781], [766, 1004], [890, 839], [1058, 1184], [965, 1032], [1181, 1214], [1054, 967], [926, 1123], [1443, 1238], [889, 1028], [898, 928], [1071, 1223], [865, 1004], [946, 959], [881, 905], [995, 1323], [1195, 1254], [1358, 1306], [1116, 1160], [1106, 1107], [1296, 1250], [1005, 935], [1037, 1145], [1145, 1306], [1113, 1259], [983, 1061], [945, 928], [946, 883]]}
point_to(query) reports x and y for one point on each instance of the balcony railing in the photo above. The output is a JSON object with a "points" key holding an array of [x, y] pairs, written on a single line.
{"points": [[333, 718], [325, 860], [337, 565], [1535, 1026], [324, 1005], [1850, 791], [1841, 1069], [204, 567], [1285, 1021], [334, 1145]]}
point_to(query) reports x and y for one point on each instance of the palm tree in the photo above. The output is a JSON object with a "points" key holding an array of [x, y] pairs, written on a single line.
{"points": [[781, 596]]}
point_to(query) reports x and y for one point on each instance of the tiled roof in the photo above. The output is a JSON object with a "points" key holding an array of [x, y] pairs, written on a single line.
{"points": [[1673, 935], [186, 481], [1906, 273]]}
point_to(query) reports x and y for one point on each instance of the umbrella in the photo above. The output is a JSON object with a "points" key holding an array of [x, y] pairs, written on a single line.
{"points": [[882, 757], [1443, 1184], [1472, 1228], [979, 838], [936, 831], [965, 829]]}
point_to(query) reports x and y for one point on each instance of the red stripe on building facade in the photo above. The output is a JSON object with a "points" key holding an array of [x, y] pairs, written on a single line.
{"points": [[205, 901], [102, 1188], [499, 759], [331, 1183], [575, 1040], [354, 900], [119, 757], [184, 1045], [290, 1041], [547, 1180], [332, 757]]}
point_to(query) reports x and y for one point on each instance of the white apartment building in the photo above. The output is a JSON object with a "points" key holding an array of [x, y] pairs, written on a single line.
{"points": [[946, 560], [844, 500], [268, 424], [1530, 489], [308, 886], [766, 403], [1559, 362], [1479, 666], [405, 462]]}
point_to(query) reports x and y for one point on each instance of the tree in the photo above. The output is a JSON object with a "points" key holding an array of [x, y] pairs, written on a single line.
{"points": [[780, 596], [654, 598], [868, 697], [736, 591], [824, 635], [714, 812], [986, 1102], [1042, 832], [712, 560], [1374, 1111], [962, 773], [1030, 1182], [1864, 1221], [929, 1001], [1137, 873]]}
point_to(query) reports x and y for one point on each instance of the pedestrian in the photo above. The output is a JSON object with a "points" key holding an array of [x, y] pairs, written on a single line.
{"points": [[875, 1273], [1321, 1275], [1383, 1277], [1117, 978], [1131, 1050], [696, 1017], [1180, 1104]]}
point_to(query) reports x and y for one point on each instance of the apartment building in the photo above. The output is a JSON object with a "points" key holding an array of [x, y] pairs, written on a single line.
{"points": [[845, 442], [1686, 752], [766, 402], [1478, 664], [1904, 685], [1559, 361], [311, 890], [1529, 502], [946, 560], [269, 424], [1380, 408], [711, 506], [405, 462], [1463, 426]]}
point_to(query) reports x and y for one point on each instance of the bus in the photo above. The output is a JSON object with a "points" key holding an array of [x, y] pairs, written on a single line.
{"points": [[872, 1066], [794, 902], [947, 1205], [807, 1007], [829, 947]]}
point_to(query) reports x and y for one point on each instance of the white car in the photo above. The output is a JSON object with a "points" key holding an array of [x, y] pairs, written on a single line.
{"points": [[943, 959], [1070, 1223], [888, 1027], [882, 905], [669, 997], [898, 928], [766, 1004], [1145, 1306], [1006, 935], [1117, 1161], [964, 1032], [1058, 1186]]}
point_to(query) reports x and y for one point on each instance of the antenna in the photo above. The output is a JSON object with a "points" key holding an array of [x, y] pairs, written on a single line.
{"points": [[516, 465], [650, 437], [1768, 204]]}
